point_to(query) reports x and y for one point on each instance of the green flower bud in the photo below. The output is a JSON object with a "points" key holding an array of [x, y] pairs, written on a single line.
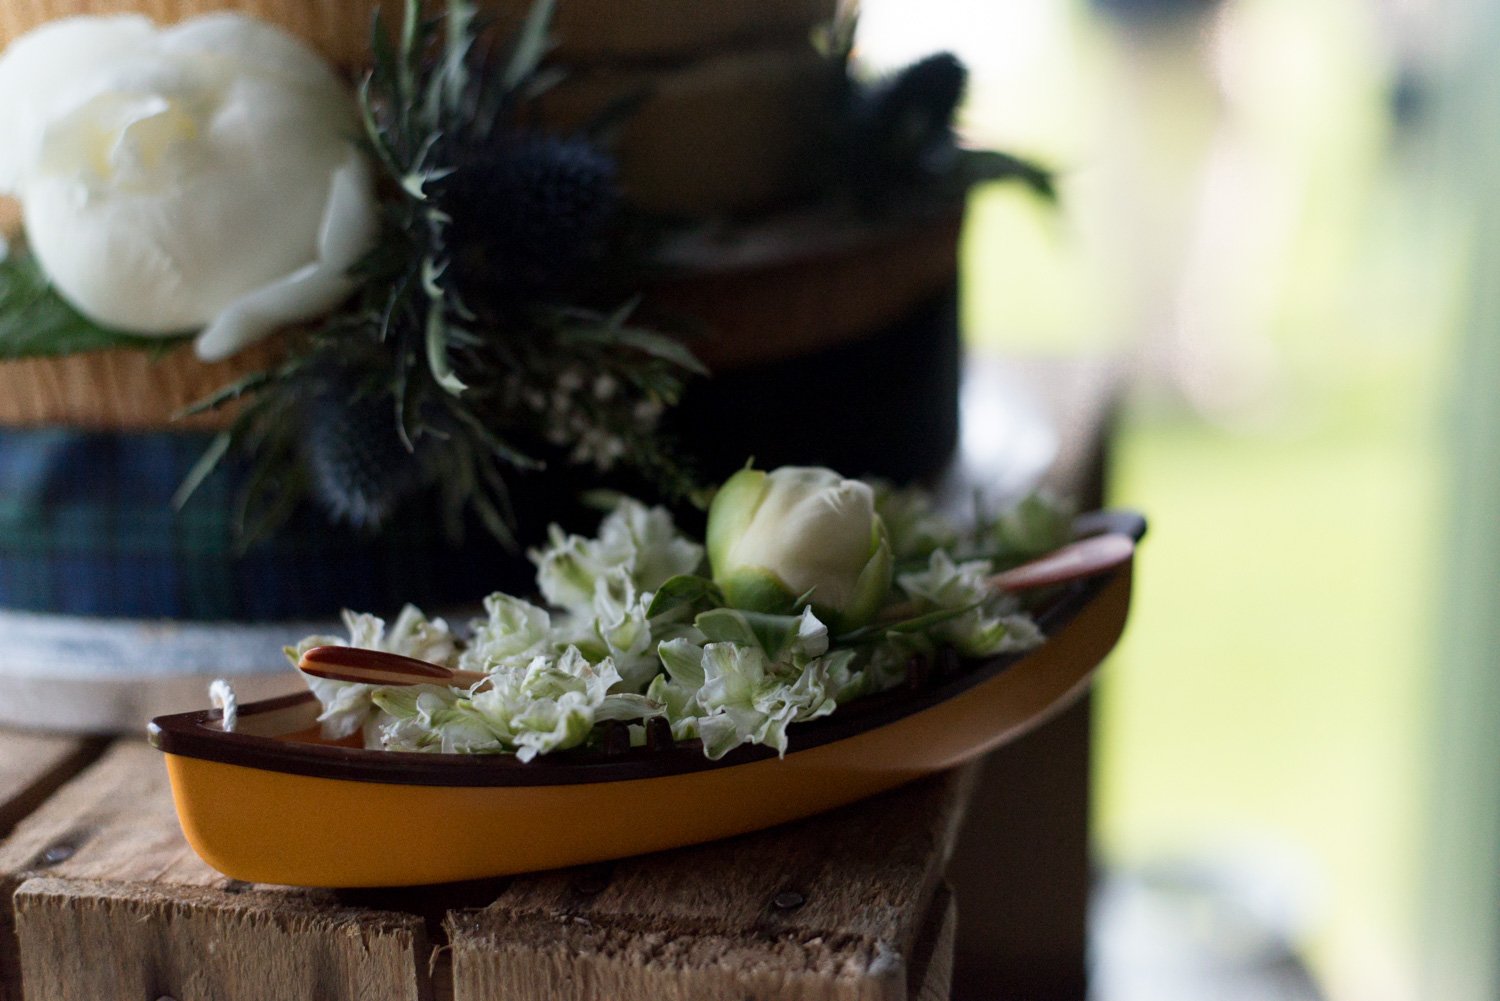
{"points": [[773, 537]]}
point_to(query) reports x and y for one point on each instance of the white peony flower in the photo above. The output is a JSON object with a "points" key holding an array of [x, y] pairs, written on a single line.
{"points": [[195, 176]]}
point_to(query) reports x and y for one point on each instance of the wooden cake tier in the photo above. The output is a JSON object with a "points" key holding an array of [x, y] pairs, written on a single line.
{"points": [[122, 390], [733, 133], [587, 30], [756, 295], [731, 91]]}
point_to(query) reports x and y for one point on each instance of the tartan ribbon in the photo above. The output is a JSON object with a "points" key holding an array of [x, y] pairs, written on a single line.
{"points": [[87, 528]]}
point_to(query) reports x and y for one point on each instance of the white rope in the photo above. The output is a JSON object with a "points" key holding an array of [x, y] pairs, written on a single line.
{"points": [[221, 694]]}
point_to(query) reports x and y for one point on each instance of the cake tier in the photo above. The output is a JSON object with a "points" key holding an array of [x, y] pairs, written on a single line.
{"points": [[728, 134], [587, 30], [755, 295], [728, 93], [87, 527]]}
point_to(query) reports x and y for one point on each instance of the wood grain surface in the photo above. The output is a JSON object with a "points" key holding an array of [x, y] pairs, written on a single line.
{"points": [[130, 940], [830, 908], [32, 765], [102, 869], [849, 905], [932, 960]]}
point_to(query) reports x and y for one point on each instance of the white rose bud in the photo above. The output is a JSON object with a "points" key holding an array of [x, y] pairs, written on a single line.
{"points": [[773, 537], [200, 176]]}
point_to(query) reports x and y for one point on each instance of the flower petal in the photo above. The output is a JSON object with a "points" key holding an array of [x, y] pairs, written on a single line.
{"points": [[347, 231]]}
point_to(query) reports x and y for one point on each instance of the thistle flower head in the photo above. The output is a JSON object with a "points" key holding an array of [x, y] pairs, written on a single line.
{"points": [[360, 470], [527, 213]]}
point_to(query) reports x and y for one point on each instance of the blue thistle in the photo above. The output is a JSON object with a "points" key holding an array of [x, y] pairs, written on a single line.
{"points": [[527, 215], [901, 128], [358, 467]]}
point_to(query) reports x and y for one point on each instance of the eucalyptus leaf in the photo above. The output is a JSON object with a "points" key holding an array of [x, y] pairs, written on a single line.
{"points": [[437, 352], [227, 394], [450, 84], [649, 342], [206, 464], [660, 346]]}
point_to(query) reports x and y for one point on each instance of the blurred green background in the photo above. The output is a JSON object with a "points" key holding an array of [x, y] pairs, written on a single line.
{"points": [[1248, 224]]}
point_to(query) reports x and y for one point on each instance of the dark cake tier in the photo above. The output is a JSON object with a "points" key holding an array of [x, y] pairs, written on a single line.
{"points": [[87, 526], [883, 405], [829, 345]]}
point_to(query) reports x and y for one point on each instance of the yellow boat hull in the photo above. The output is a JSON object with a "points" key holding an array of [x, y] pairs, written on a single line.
{"points": [[261, 821]]}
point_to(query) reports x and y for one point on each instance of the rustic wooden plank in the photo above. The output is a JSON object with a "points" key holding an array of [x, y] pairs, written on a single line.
{"points": [[104, 862], [828, 908], [147, 942], [1021, 871], [932, 965], [32, 765]]}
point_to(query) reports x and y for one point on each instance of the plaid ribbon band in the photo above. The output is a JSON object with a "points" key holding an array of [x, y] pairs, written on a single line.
{"points": [[87, 527]]}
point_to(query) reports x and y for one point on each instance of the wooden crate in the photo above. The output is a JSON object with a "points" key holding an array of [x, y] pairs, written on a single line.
{"points": [[103, 899]]}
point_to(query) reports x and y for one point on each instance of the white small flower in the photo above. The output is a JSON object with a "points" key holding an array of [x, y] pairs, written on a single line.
{"points": [[993, 622], [347, 706], [200, 176]]}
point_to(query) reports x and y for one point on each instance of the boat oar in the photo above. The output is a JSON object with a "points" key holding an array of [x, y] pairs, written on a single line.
{"points": [[376, 667], [1075, 561]]}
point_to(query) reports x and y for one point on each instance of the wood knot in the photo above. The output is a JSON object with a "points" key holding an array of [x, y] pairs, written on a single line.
{"points": [[56, 854], [591, 883], [788, 900]]}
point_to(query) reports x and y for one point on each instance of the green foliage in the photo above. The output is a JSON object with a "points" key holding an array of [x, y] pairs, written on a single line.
{"points": [[479, 390]]}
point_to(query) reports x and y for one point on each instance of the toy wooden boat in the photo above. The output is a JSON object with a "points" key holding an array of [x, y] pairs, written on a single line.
{"points": [[271, 802]]}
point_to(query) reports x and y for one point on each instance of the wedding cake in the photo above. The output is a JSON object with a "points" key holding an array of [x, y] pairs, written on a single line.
{"points": [[308, 308]]}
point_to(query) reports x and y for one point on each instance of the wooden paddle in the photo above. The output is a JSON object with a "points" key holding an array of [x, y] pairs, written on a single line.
{"points": [[376, 667], [1075, 561]]}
